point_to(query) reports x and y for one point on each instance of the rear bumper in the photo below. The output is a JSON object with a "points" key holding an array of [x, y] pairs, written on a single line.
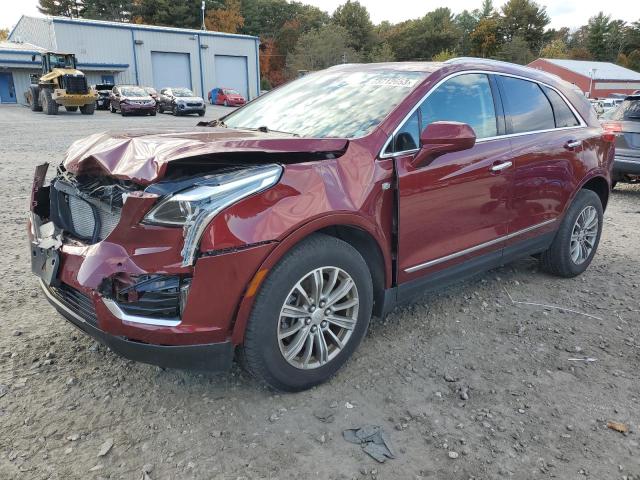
{"points": [[210, 357], [626, 165]]}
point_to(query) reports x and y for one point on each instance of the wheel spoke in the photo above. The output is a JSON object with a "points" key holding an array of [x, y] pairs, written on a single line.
{"points": [[322, 350], [344, 305], [308, 351], [340, 292], [333, 278], [293, 311], [303, 292], [287, 332], [340, 321], [296, 345], [338, 343], [317, 284]]}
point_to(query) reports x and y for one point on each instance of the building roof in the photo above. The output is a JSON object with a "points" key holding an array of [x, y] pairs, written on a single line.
{"points": [[19, 47], [136, 26], [601, 70]]}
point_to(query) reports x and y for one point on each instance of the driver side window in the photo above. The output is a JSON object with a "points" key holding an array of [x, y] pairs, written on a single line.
{"points": [[465, 98]]}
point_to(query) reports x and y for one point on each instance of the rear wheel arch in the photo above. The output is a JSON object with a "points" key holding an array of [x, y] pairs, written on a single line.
{"points": [[600, 186], [348, 228]]}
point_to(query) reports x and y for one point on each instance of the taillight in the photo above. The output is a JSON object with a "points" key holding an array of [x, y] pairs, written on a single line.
{"points": [[612, 127]]}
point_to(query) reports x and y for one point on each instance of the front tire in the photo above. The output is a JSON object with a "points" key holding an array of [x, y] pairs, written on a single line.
{"points": [[577, 238], [88, 109], [175, 111], [49, 105], [310, 315]]}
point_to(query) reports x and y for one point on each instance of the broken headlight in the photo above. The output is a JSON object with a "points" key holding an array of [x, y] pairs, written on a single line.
{"points": [[194, 207]]}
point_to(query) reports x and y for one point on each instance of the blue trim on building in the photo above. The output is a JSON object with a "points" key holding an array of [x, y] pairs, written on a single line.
{"points": [[37, 65], [20, 52], [182, 31], [114, 66], [135, 57], [201, 72]]}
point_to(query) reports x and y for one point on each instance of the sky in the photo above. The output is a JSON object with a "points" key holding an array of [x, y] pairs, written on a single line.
{"points": [[563, 13]]}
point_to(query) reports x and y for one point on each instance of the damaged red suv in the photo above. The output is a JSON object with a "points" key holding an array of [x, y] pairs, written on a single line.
{"points": [[278, 231]]}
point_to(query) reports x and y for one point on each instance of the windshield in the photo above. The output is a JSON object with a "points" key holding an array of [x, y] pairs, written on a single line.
{"points": [[133, 92], [182, 92], [629, 109], [329, 103], [61, 61], [231, 92]]}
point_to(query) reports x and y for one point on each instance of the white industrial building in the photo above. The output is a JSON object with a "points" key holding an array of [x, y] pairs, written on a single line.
{"points": [[123, 53]]}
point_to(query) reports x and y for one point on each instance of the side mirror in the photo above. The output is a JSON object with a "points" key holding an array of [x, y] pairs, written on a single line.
{"points": [[443, 137]]}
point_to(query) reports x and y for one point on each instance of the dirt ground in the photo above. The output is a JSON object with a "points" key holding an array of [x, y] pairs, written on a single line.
{"points": [[467, 383]]}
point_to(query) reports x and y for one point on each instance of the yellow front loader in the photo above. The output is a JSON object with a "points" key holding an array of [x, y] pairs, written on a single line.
{"points": [[61, 84]]}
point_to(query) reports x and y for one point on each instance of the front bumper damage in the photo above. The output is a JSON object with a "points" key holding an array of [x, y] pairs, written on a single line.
{"points": [[131, 291]]}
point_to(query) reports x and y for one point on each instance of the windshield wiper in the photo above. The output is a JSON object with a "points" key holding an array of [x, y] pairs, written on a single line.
{"points": [[265, 129], [212, 123]]}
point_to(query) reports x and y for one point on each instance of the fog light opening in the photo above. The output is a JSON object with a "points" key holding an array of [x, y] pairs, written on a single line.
{"points": [[184, 294]]}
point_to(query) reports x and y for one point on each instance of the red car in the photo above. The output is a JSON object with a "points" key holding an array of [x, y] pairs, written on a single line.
{"points": [[279, 230], [227, 97]]}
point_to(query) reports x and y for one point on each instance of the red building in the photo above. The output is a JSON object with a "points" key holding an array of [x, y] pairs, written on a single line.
{"points": [[595, 79]]}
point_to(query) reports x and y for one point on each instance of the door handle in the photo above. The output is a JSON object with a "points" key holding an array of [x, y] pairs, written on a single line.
{"points": [[572, 144], [501, 166]]}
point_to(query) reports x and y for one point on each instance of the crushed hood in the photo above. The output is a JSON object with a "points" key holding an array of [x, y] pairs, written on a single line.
{"points": [[143, 157]]}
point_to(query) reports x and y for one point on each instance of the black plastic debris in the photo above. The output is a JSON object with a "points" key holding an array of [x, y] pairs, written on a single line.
{"points": [[373, 441]]}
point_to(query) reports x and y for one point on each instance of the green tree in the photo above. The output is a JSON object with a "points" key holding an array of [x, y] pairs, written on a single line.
{"points": [[422, 39], [524, 19], [381, 53], [466, 23], [443, 56], [555, 49], [112, 10], [63, 8], [172, 13], [485, 11], [598, 36], [486, 39], [354, 18], [516, 51], [322, 48]]}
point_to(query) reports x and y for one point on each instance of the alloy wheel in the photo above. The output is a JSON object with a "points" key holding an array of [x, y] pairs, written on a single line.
{"points": [[318, 318], [584, 235]]}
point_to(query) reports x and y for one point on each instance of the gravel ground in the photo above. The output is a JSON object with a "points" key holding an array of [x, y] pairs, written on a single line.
{"points": [[468, 383]]}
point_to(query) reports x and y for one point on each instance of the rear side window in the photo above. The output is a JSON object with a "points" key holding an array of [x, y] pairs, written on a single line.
{"points": [[563, 114], [629, 110], [526, 106], [464, 98]]}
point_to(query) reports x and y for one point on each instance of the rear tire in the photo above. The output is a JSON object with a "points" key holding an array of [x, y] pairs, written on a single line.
{"points": [[88, 109], [112, 109], [34, 99], [49, 106], [577, 239], [270, 335], [160, 108]]}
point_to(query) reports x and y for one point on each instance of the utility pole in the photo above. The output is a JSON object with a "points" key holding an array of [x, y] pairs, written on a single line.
{"points": [[203, 26], [592, 73]]}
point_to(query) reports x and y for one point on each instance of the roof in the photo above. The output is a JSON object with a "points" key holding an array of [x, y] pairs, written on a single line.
{"points": [[19, 47], [601, 70], [136, 26]]}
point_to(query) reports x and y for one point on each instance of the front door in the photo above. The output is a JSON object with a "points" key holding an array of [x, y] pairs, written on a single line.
{"points": [[7, 90], [454, 209]]}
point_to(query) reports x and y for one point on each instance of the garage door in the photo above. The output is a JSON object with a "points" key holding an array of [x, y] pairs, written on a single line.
{"points": [[231, 72], [171, 70]]}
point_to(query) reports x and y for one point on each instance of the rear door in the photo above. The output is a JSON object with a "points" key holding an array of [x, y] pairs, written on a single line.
{"points": [[455, 208], [547, 145]]}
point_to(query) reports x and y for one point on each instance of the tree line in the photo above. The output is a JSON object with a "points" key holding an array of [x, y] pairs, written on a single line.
{"points": [[297, 37]]}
